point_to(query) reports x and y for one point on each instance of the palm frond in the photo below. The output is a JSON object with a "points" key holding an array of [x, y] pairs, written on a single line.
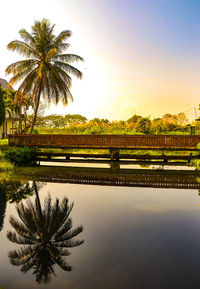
{"points": [[21, 256], [70, 234], [69, 69], [13, 237], [27, 37], [62, 87], [22, 74], [69, 243], [64, 35], [23, 48], [21, 65], [68, 58], [21, 229]]}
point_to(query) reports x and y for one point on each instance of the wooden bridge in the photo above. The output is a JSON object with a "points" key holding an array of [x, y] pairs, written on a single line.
{"points": [[114, 143], [184, 142]]}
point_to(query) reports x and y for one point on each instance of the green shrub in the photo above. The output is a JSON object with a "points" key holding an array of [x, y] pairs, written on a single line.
{"points": [[35, 131], [21, 156], [5, 165]]}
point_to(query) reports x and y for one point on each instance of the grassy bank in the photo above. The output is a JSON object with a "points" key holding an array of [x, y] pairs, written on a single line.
{"points": [[3, 142], [6, 168]]}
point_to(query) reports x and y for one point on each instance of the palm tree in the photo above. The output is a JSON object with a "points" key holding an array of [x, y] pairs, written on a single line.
{"points": [[46, 234], [46, 71]]}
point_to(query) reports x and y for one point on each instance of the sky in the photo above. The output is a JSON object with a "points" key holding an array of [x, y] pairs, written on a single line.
{"points": [[141, 56]]}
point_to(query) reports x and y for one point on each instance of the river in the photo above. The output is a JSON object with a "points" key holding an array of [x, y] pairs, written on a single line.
{"points": [[135, 237]]}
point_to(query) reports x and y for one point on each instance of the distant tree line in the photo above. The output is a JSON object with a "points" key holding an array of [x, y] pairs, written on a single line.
{"points": [[76, 123]]}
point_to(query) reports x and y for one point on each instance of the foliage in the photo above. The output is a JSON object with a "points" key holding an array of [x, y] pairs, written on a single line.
{"points": [[74, 119], [20, 156], [143, 125], [2, 107], [17, 191], [77, 124], [5, 165], [46, 70], [46, 234]]}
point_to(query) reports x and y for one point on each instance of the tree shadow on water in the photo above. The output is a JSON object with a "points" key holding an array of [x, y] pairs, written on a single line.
{"points": [[2, 206], [46, 234]]}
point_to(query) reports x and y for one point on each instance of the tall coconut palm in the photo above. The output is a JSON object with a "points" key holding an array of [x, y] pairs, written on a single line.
{"points": [[46, 71]]}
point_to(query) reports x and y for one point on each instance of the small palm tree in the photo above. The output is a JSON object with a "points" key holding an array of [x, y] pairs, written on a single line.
{"points": [[46, 234], [46, 71]]}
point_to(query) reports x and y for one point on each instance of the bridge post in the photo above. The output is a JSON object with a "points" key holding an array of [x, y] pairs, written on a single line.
{"points": [[114, 154], [115, 165]]}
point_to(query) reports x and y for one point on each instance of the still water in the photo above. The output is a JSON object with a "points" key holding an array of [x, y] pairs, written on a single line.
{"points": [[140, 238]]}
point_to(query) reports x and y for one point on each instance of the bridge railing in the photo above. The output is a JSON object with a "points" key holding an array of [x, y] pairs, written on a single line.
{"points": [[107, 141]]}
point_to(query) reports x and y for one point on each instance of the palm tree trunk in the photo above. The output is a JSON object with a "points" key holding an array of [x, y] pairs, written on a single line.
{"points": [[35, 114], [36, 109]]}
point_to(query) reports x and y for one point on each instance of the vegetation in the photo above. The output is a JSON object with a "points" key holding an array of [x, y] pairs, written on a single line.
{"points": [[46, 71], [78, 124], [15, 106], [45, 235], [3, 142], [5, 165], [20, 156], [2, 107]]}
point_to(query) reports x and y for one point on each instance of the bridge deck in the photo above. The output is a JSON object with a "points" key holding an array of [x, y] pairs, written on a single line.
{"points": [[179, 142]]}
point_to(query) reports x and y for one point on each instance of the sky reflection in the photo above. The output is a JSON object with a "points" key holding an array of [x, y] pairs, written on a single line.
{"points": [[134, 238]]}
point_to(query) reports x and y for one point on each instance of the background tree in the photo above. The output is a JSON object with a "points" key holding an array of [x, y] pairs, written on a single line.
{"points": [[134, 120], [143, 125], [182, 119], [46, 71], [75, 119]]}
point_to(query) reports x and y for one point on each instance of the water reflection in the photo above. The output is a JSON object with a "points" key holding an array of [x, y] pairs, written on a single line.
{"points": [[2, 205], [17, 191], [45, 233], [12, 192]]}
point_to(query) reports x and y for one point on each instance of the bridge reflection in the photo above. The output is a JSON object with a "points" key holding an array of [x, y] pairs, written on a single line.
{"points": [[180, 179]]}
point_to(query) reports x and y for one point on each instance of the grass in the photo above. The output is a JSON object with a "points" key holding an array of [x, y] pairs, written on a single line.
{"points": [[3, 142]]}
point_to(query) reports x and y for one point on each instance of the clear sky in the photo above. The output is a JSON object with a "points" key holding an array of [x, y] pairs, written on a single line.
{"points": [[141, 56]]}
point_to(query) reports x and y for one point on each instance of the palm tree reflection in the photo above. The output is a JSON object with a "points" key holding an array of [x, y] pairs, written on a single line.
{"points": [[46, 234], [2, 206]]}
